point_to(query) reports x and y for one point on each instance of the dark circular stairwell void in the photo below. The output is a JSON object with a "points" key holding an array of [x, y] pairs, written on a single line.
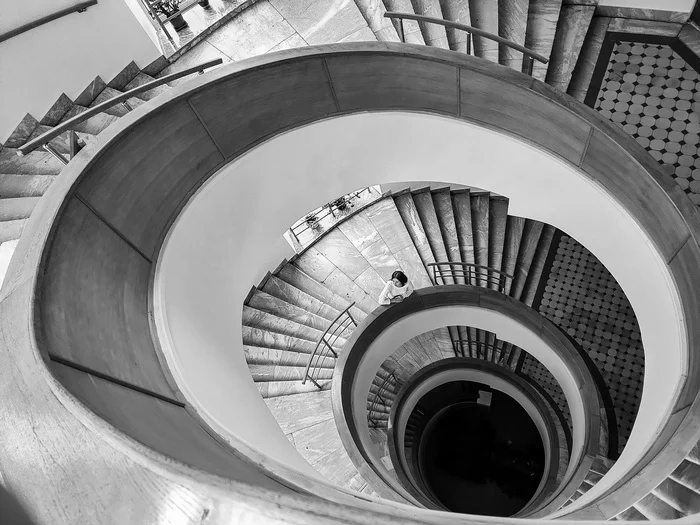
{"points": [[483, 456]]}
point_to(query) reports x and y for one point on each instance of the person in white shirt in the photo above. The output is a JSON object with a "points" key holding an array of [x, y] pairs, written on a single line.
{"points": [[396, 289]]}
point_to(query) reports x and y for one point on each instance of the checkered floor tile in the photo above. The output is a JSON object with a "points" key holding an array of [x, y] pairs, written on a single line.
{"points": [[584, 299], [654, 95]]}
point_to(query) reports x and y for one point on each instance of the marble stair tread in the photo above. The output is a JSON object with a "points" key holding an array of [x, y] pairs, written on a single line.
{"points": [[461, 207], [266, 373], [140, 80], [434, 35], [17, 208], [291, 294], [126, 75], [456, 11], [631, 514], [35, 163], [55, 113], [11, 230], [583, 72], [313, 263], [678, 496], [514, 356], [118, 110], [23, 130], [542, 19], [295, 277], [258, 319], [431, 226], [480, 207], [526, 253], [272, 305], [256, 355], [538, 263], [17, 185], [60, 144], [654, 508], [512, 24], [263, 338], [91, 91], [411, 29], [409, 215], [93, 125], [484, 16], [373, 13], [287, 388], [442, 202], [514, 234], [694, 454], [688, 474], [498, 217], [572, 28]]}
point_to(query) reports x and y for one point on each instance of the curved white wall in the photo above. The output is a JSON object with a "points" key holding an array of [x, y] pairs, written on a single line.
{"points": [[230, 235]]}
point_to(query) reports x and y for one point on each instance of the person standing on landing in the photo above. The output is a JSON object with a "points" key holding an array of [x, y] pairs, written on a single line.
{"points": [[396, 289]]}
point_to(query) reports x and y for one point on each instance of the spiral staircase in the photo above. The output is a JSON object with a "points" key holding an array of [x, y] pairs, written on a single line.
{"points": [[286, 314]]}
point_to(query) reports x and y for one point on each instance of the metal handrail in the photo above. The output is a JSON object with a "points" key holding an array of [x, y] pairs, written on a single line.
{"points": [[473, 274], [459, 345], [43, 139], [330, 208], [389, 380], [321, 352], [77, 8], [531, 55]]}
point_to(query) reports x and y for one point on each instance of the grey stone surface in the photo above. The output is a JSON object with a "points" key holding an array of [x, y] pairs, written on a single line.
{"points": [[321, 21], [336, 248]]}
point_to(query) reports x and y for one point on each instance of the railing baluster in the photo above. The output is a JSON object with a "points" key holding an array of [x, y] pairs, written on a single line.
{"points": [[469, 43], [48, 147], [530, 65], [402, 34]]}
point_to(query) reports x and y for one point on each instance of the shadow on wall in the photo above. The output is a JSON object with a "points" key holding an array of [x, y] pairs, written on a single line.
{"points": [[12, 511]]}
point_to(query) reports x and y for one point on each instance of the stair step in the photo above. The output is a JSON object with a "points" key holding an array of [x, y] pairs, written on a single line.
{"points": [[409, 215], [588, 58], [14, 185], [654, 508], [287, 388], [93, 125], [514, 235], [295, 277], [272, 305], [412, 32], [291, 294], [258, 319], [528, 248], [431, 226], [94, 88], [55, 113], [442, 202], [22, 132], [512, 24], [256, 355], [11, 230], [480, 207], [571, 33], [434, 35], [13, 209], [260, 337], [373, 13], [538, 262], [631, 514], [457, 11], [126, 75], [688, 474], [35, 163], [542, 19], [266, 373], [484, 16], [141, 79], [498, 216], [461, 207], [118, 110], [61, 143], [678, 496]]}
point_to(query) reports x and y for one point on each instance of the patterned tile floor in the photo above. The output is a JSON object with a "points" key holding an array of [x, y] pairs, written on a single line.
{"points": [[654, 95], [584, 299]]}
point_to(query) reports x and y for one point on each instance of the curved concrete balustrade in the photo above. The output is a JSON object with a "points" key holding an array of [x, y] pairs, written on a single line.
{"points": [[497, 377], [79, 288], [387, 328]]}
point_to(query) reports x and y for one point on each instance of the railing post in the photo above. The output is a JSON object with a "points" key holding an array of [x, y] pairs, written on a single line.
{"points": [[402, 35], [157, 19], [73, 145], [469, 43], [48, 147], [530, 65], [127, 106]]}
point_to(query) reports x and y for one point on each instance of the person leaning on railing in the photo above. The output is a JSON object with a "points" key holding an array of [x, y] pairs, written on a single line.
{"points": [[396, 289]]}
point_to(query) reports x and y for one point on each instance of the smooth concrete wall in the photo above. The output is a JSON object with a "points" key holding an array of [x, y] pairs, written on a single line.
{"points": [[64, 55], [230, 234]]}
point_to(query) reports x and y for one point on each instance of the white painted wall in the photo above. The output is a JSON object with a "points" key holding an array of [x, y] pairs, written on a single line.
{"points": [[680, 6], [230, 234], [64, 55]]}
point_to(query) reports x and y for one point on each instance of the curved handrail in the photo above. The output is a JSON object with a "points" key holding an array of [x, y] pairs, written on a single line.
{"points": [[77, 8], [328, 343], [44, 138], [468, 29], [473, 274]]}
